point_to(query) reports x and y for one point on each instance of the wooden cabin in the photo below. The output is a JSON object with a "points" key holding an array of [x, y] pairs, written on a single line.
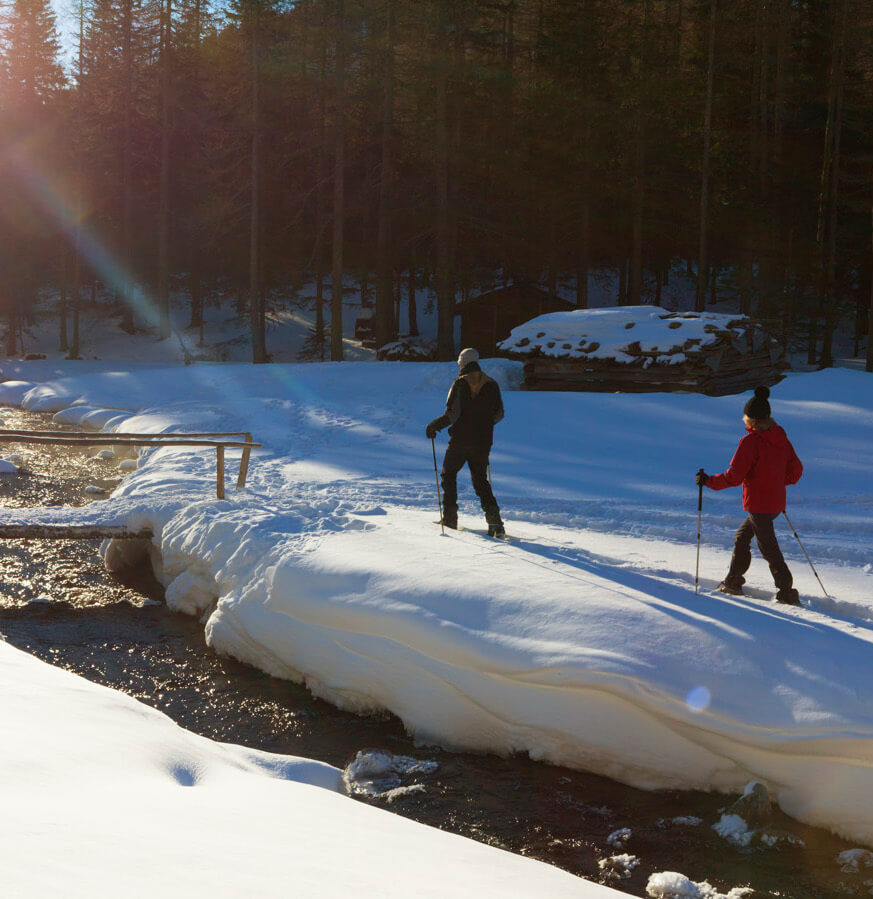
{"points": [[490, 317], [596, 350]]}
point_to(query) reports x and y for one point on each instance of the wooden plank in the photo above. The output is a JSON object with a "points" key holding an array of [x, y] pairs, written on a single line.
{"points": [[171, 434], [106, 439], [70, 532]]}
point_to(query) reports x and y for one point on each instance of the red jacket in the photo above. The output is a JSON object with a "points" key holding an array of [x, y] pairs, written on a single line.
{"points": [[764, 463]]}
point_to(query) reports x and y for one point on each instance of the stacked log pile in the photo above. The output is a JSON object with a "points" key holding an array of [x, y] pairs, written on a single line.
{"points": [[740, 356]]}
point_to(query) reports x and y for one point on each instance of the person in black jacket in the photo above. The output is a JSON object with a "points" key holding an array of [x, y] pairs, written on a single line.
{"points": [[473, 407]]}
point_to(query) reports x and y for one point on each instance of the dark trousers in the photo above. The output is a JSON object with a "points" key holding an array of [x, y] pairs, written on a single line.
{"points": [[760, 526], [457, 456]]}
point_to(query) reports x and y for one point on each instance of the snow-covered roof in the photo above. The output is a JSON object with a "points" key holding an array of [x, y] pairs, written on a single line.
{"points": [[620, 333]]}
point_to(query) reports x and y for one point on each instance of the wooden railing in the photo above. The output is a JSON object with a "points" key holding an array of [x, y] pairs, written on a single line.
{"points": [[81, 438]]}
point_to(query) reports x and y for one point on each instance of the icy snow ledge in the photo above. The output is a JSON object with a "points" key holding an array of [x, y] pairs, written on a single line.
{"points": [[380, 620], [12, 392]]}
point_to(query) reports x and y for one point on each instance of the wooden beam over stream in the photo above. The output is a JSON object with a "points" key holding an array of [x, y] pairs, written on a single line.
{"points": [[71, 532]]}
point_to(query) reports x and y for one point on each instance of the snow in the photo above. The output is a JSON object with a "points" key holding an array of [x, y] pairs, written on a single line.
{"points": [[607, 333], [104, 796], [619, 867], [853, 860], [582, 642], [734, 829], [619, 837], [672, 885], [379, 774]]}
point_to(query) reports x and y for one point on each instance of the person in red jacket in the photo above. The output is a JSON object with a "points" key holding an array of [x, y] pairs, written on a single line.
{"points": [[764, 463]]}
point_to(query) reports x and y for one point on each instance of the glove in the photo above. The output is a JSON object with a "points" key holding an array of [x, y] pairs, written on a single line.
{"points": [[431, 431], [701, 478]]}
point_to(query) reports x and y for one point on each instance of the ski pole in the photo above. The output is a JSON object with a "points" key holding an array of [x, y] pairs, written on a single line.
{"points": [[437, 477], [807, 555], [699, 513]]}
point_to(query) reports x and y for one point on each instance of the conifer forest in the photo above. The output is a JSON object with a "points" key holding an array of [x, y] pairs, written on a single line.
{"points": [[175, 145]]}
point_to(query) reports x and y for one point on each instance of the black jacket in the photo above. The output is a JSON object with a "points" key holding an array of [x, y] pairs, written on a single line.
{"points": [[474, 405]]}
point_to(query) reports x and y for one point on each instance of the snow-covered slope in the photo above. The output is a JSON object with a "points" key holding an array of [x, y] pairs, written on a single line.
{"points": [[582, 641], [104, 796]]}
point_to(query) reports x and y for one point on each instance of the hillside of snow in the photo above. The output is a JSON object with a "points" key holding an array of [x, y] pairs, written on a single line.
{"points": [[104, 796], [582, 641]]}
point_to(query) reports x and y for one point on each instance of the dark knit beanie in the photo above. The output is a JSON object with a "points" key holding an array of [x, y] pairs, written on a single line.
{"points": [[758, 407]]}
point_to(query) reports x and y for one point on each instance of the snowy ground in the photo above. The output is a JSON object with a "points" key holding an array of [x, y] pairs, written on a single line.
{"points": [[580, 642], [103, 796]]}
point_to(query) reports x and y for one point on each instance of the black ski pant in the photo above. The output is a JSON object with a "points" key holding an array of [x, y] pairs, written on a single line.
{"points": [[760, 526], [457, 456]]}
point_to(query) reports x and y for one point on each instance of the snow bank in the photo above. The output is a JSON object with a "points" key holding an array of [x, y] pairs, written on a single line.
{"points": [[91, 779], [582, 642]]}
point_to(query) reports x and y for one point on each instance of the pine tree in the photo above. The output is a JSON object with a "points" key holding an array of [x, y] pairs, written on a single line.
{"points": [[31, 60], [33, 82]]}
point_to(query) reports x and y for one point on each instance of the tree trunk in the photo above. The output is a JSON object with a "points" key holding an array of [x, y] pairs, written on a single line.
{"points": [[321, 176], [75, 311], [256, 296], [635, 278], [79, 189], [584, 264], [413, 310], [783, 43], [126, 286], [584, 261], [702, 262], [12, 320], [445, 293], [62, 337], [763, 118], [164, 212], [336, 290], [831, 188], [869, 360], [622, 281], [386, 327], [195, 288]]}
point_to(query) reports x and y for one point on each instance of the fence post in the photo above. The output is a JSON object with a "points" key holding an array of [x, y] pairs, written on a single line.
{"points": [[219, 465], [244, 463]]}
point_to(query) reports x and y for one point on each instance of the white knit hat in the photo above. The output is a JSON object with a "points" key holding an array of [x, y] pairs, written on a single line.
{"points": [[467, 356]]}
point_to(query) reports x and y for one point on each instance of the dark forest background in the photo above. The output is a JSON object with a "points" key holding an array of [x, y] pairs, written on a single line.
{"points": [[450, 142]]}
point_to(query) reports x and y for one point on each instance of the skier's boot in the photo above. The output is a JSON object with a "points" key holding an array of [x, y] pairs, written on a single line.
{"points": [[495, 522], [450, 517], [732, 586], [789, 596]]}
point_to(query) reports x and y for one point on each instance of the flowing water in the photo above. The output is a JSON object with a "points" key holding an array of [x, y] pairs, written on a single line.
{"points": [[58, 603]]}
